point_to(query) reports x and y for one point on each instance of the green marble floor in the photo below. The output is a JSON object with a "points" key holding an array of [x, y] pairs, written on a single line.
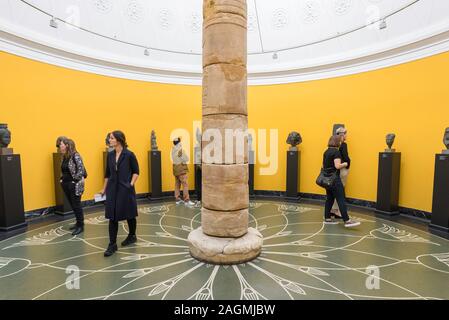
{"points": [[301, 259]]}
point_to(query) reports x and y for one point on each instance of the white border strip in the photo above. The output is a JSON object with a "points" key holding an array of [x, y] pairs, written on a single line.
{"points": [[420, 49]]}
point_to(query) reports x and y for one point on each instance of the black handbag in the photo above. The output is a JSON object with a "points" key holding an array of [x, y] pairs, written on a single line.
{"points": [[326, 179]]}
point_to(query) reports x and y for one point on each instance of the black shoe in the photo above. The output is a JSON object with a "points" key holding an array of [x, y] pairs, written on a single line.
{"points": [[73, 226], [110, 250], [130, 239], [77, 230]]}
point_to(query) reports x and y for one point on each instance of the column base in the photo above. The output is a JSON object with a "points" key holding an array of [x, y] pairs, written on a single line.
{"points": [[225, 251]]}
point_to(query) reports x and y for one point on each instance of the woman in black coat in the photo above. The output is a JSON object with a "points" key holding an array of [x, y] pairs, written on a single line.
{"points": [[122, 171]]}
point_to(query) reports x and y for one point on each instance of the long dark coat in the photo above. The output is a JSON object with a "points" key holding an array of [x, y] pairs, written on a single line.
{"points": [[120, 196]]}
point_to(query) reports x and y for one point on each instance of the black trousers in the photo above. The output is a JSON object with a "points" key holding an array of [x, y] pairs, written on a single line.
{"points": [[336, 192], [74, 200], [113, 229]]}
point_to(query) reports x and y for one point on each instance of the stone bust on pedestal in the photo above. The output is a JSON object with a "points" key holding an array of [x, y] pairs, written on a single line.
{"points": [[108, 147], [153, 141], [5, 139], [446, 141], [294, 139], [390, 140]]}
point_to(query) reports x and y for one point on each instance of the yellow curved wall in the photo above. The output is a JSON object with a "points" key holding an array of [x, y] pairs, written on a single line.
{"points": [[41, 101]]}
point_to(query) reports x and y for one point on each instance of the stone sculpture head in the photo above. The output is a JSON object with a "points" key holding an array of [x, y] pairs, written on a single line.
{"points": [[294, 139], [106, 141], [153, 141], [446, 138], [336, 127], [59, 139], [390, 140], [5, 136]]}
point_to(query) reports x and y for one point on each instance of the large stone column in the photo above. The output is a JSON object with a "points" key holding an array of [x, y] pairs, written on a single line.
{"points": [[224, 236]]}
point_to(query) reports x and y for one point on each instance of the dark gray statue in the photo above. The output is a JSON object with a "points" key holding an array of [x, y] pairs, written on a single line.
{"points": [[335, 127], [58, 141], [106, 141], [446, 141], [153, 141], [5, 136], [390, 140], [294, 139]]}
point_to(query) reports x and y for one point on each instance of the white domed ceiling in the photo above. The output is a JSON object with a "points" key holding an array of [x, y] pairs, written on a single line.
{"points": [[288, 40]]}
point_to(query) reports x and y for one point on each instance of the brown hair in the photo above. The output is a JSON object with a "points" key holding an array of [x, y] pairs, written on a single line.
{"points": [[120, 137], [334, 141], [71, 148]]}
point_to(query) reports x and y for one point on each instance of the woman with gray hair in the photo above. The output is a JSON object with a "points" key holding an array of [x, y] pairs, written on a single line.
{"points": [[342, 132], [332, 164]]}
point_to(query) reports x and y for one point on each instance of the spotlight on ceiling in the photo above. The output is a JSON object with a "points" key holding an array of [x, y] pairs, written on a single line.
{"points": [[383, 24], [146, 52], [275, 56], [53, 23]]}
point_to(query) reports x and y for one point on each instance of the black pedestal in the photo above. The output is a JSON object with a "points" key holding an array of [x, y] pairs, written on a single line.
{"points": [[440, 204], [251, 174], [388, 183], [62, 203], [105, 159], [12, 213], [293, 162], [198, 180], [155, 175]]}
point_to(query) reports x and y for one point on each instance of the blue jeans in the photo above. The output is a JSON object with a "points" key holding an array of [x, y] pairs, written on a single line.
{"points": [[337, 192]]}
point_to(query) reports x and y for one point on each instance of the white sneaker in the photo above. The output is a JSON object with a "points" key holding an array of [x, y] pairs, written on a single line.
{"points": [[351, 223], [189, 203], [179, 202], [330, 221]]}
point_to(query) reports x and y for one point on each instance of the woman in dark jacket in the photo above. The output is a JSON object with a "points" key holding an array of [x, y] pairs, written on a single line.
{"points": [[122, 171], [72, 180]]}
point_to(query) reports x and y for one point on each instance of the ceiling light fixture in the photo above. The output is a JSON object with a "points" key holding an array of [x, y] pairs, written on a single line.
{"points": [[383, 24], [53, 23], [146, 52], [275, 56]]}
